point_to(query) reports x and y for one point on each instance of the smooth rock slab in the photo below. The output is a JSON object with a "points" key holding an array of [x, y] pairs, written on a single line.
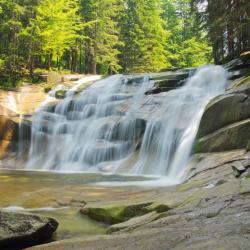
{"points": [[235, 136], [223, 111], [18, 230]]}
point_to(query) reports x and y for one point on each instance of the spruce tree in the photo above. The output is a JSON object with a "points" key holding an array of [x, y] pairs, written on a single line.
{"points": [[143, 36], [187, 46], [102, 35], [56, 25]]}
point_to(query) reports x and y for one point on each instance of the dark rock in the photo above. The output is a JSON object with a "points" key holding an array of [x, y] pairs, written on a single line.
{"points": [[20, 230], [135, 80], [167, 81], [157, 90], [248, 146], [235, 64]]}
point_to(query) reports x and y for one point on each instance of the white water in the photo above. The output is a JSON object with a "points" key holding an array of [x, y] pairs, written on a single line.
{"points": [[102, 129], [167, 144]]}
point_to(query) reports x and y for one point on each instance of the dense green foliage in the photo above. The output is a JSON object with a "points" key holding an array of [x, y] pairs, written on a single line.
{"points": [[102, 36], [227, 24], [143, 35], [187, 44]]}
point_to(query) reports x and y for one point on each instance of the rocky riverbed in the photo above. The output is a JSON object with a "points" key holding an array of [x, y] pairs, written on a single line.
{"points": [[209, 211]]}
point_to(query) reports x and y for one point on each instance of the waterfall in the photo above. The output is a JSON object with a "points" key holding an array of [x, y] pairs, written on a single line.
{"points": [[112, 126], [167, 143]]}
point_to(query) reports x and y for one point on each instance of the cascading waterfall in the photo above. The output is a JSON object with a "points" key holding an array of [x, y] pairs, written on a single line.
{"points": [[168, 141], [81, 133], [108, 127]]}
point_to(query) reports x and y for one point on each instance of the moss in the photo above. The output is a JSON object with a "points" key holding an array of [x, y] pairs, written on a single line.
{"points": [[60, 94], [247, 176], [159, 208], [197, 148], [47, 89], [117, 214]]}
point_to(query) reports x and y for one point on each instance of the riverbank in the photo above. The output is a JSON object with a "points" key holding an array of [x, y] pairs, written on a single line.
{"points": [[208, 211]]}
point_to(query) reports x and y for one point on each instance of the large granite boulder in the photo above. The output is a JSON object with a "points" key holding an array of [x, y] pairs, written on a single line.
{"points": [[225, 124], [19, 230]]}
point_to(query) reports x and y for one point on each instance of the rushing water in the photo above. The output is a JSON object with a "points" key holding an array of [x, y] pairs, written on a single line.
{"points": [[105, 128]]}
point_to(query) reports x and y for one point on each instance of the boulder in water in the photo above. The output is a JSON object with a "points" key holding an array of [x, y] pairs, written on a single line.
{"points": [[18, 230]]}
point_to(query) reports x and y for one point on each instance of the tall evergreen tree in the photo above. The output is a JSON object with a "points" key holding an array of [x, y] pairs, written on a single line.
{"points": [[14, 18], [187, 45], [143, 36], [56, 26], [227, 24], [102, 40]]}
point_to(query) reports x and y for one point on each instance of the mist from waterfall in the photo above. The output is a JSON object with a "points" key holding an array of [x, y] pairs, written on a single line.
{"points": [[109, 128]]}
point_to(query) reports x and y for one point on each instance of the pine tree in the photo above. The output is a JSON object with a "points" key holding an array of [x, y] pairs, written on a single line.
{"points": [[102, 40], [11, 25], [228, 26], [143, 36], [56, 26], [187, 46]]}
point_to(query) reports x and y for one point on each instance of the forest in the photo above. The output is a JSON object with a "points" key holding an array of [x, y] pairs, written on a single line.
{"points": [[113, 36]]}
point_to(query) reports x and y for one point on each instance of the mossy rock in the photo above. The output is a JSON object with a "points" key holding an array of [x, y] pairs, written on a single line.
{"points": [[117, 214], [60, 94], [47, 89]]}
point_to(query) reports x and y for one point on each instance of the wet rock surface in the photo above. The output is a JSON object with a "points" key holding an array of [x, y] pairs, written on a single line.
{"points": [[10, 127], [225, 124], [166, 81], [210, 210], [19, 230]]}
